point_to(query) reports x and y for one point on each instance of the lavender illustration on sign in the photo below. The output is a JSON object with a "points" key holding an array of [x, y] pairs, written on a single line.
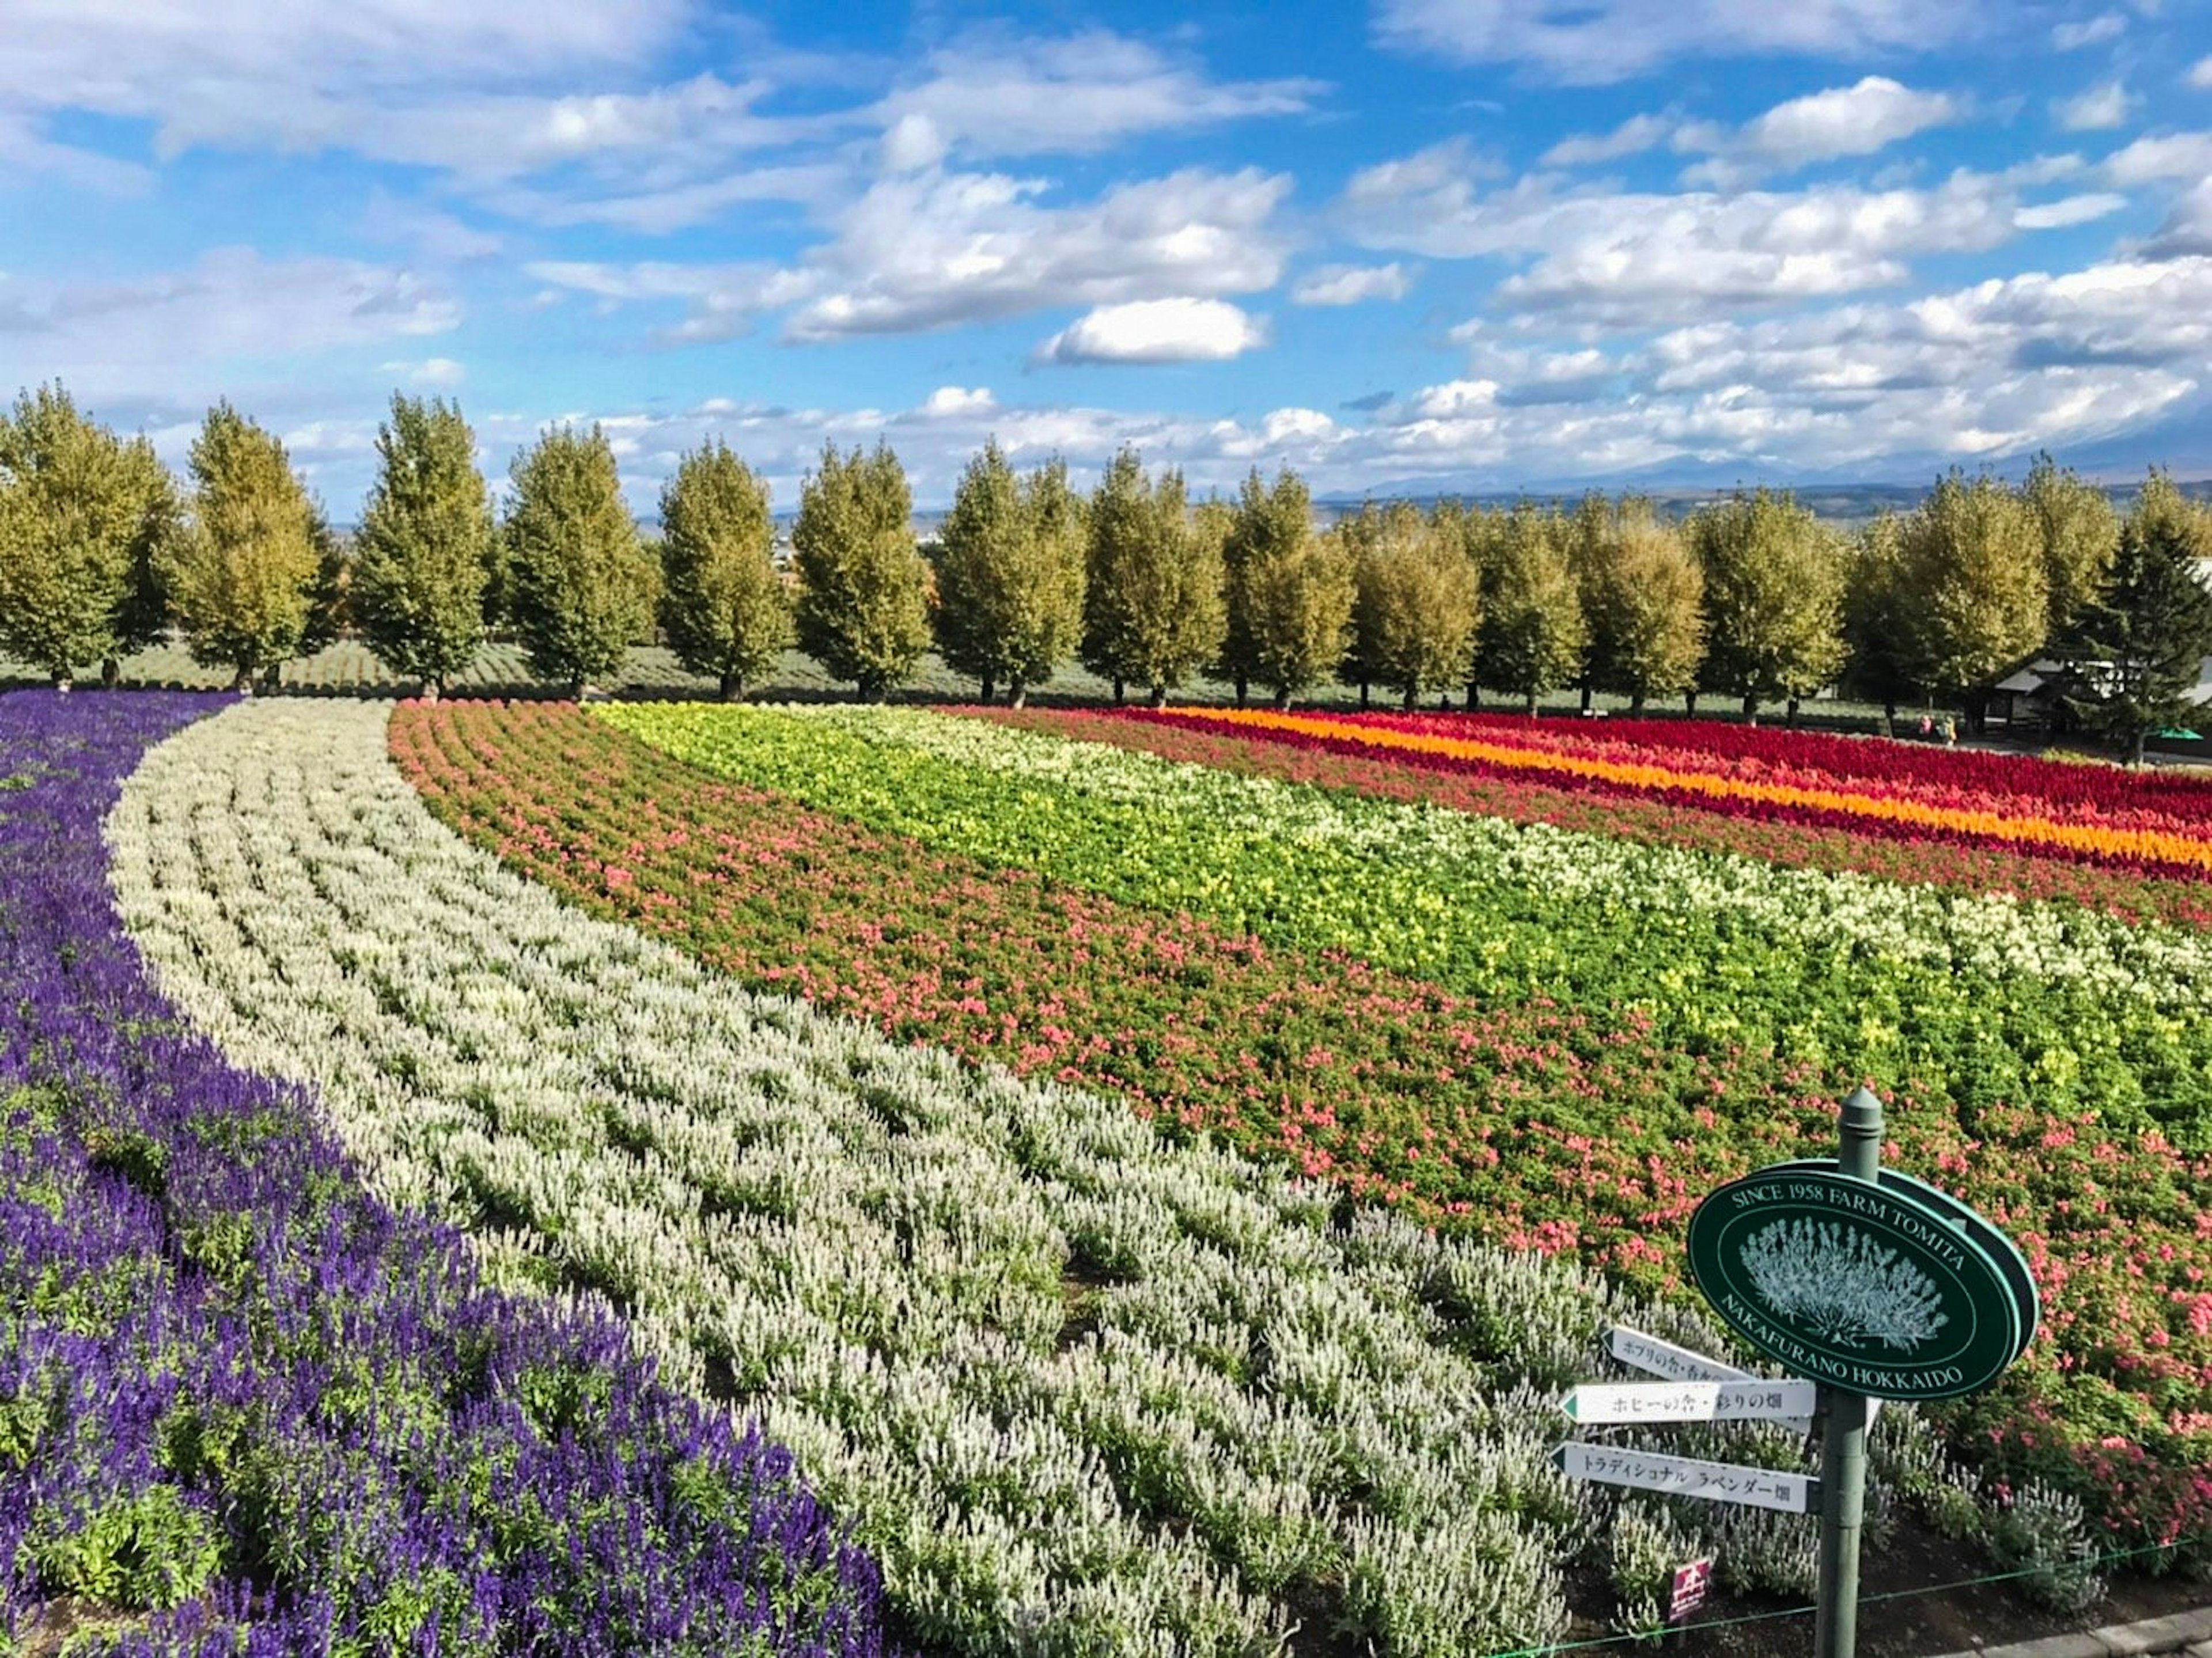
{"points": [[1842, 1286]]}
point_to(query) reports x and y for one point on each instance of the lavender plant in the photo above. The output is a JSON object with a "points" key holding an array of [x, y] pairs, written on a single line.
{"points": [[247, 1408]]}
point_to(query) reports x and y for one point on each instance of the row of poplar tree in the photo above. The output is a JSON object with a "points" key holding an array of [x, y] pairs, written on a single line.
{"points": [[1753, 597]]}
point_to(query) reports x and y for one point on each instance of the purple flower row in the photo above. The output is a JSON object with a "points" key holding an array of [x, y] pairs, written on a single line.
{"points": [[245, 1408]]}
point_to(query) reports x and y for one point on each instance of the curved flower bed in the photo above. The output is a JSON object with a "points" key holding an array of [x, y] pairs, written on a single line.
{"points": [[2034, 782], [1650, 820], [1087, 1391], [2117, 830], [1692, 991], [245, 1408]]}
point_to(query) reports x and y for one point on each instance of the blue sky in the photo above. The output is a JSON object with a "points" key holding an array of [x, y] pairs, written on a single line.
{"points": [[1415, 244]]}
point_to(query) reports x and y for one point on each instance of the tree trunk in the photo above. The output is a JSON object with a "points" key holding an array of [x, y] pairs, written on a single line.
{"points": [[1690, 703], [273, 676], [1532, 705], [242, 681], [1410, 694], [1474, 697], [1588, 692], [1790, 718], [62, 681], [1750, 710], [1119, 691], [1889, 719], [1282, 696], [990, 687], [1018, 695], [1159, 696], [576, 689], [2135, 746], [1243, 689], [431, 690], [1363, 692], [732, 686], [1634, 704], [111, 670]]}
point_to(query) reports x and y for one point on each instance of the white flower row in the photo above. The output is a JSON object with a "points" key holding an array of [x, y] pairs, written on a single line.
{"points": [[1086, 1392], [1993, 937]]}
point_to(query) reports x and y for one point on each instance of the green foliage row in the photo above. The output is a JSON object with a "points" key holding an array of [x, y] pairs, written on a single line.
{"points": [[1752, 598]]}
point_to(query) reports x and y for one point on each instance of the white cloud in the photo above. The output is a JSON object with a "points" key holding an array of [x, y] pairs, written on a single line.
{"points": [[987, 98], [1632, 137], [171, 334], [1157, 332], [2185, 155], [949, 400], [2200, 75], [2069, 210], [1854, 120], [1646, 259], [934, 249], [2094, 109], [1351, 284], [2089, 32], [2188, 227], [1595, 41], [723, 300], [440, 374]]}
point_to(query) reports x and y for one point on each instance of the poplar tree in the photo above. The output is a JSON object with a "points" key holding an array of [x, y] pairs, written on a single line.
{"points": [[2139, 648], [581, 587], [1271, 526], [1533, 636], [723, 605], [1642, 593], [863, 608], [242, 574], [1773, 584], [424, 548], [1417, 605], [1010, 577], [81, 514], [2080, 533], [1152, 611], [1298, 612], [1877, 618], [1975, 597]]}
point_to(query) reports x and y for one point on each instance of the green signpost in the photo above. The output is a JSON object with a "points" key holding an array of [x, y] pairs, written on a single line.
{"points": [[1873, 1285]]}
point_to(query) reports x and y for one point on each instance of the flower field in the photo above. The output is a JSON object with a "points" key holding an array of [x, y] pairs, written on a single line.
{"points": [[1082, 1389], [1555, 1038], [245, 1408], [2162, 825]]}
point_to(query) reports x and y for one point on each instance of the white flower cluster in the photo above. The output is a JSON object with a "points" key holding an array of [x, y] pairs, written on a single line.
{"points": [[1085, 1391], [1994, 937]]}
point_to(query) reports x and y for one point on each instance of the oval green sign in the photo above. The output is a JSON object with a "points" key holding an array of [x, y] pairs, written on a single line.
{"points": [[1859, 1286], [2000, 1249]]}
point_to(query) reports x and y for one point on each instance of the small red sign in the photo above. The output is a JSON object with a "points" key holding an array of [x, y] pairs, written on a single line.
{"points": [[1690, 1583]]}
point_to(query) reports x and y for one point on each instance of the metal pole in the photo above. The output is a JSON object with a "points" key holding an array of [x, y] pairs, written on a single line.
{"points": [[1843, 1432]]}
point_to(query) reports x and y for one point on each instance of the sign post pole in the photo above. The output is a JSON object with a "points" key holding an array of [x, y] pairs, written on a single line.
{"points": [[1844, 1433]]}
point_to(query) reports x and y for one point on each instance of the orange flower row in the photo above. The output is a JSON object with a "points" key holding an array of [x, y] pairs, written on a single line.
{"points": [[2090, 839]]}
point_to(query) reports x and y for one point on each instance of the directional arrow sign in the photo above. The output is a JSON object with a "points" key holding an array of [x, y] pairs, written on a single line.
{"points": [[1648, 1354], [1692, 1401], [1683, 1476]]}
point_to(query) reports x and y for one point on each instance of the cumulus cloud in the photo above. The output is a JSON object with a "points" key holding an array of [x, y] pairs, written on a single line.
{"points": [[2094, 109], [1587, 44], [2200, 75], [436, 374], [1156, 332], [934, 249], [721, 300], [985, 97], [2088, 31], [1351, 284], [949, 400], [2085, 208], [2187, 155], [1854, 120], [1644, 260]]}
